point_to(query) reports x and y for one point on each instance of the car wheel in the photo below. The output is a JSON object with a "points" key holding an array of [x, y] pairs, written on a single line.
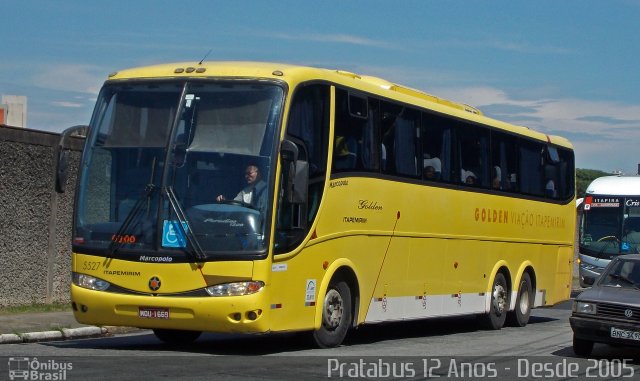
{"points": [[520, 316], [336, 316], [582, 347]]}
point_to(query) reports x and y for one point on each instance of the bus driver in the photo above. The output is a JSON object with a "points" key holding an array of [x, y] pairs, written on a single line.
{"points": [[253, 194]]}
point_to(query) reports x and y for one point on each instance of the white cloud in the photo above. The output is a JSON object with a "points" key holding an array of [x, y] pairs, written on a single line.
{"points": [[335, 38], [68, 104], [77, 78]]}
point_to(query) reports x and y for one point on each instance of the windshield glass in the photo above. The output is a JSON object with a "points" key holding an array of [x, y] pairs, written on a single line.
{"points": [[622, 273], [610, 226], [631, 227], [218, 141]]}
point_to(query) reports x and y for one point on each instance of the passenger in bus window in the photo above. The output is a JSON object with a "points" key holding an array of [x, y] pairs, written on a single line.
{"points": [[497, 175], [345, 153], [254, 193], [550, 189], [631, 236], [432, 167], [471, 179], [468, 177], [429, 173]]}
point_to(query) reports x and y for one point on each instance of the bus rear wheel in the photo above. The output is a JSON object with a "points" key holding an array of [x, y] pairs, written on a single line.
{"points": [[336, 316], [499, 303], [176, 336], [524, 301]]}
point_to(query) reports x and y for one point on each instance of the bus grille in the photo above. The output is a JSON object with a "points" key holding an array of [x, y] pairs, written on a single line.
{"points": [[618, 312]]}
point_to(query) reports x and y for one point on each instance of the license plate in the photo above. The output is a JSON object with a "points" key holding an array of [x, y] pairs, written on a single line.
{"points": [[153, 313], [625, 334]]}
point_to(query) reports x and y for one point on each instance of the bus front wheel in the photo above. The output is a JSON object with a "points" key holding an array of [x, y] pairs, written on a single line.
{"points": [[176, 336], [336, 316], [499, 303], [520, 316]]}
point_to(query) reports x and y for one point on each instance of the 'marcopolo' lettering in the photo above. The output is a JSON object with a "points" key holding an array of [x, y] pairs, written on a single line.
{"points": [[144, 258]]}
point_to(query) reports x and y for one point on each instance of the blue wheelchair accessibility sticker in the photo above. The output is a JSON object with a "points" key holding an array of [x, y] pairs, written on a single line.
{"points": [[172, 235]]}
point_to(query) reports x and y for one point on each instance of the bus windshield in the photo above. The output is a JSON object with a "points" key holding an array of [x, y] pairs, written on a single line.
{"points": [[610, 226], [171, 167]]}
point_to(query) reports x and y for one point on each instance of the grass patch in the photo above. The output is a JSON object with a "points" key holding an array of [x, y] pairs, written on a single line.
{"points": [[35, 307]]}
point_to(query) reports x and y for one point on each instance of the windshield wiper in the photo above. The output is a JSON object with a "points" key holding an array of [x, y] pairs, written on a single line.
{"points": [[198, 253], [616, 244], [117, 241]]}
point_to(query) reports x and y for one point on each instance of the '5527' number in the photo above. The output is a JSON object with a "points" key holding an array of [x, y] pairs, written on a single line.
{"points": [[90, 265]]}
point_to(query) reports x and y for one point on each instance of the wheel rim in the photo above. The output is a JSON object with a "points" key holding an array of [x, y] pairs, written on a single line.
{"points": [[499, 298], [333, 309]]}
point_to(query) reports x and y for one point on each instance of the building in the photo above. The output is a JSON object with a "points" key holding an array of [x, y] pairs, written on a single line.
{"points": [[13, 110]]}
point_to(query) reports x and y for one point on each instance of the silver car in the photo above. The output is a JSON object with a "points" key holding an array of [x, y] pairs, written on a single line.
{"points": [[609, 312]]}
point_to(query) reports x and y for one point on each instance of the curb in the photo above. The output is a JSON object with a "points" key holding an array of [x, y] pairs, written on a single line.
{"points": [[63, 334]]}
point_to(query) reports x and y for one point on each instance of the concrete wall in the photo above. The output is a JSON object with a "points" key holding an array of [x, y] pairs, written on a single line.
{"points": [[35, 221]]}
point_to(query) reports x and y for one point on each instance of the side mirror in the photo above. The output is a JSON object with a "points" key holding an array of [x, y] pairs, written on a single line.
{"points": [[589, 281], [63, 154]]}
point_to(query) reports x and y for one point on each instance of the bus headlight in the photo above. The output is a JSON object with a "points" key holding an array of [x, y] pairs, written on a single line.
{"points": [[584, 308], [92, 283], [235, 289]]}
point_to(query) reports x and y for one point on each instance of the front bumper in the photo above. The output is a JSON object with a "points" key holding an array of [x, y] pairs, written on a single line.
{"points": [[599, 331], [232, 314]]}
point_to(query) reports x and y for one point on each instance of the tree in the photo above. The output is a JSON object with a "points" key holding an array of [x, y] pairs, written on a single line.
{"points": [[584, 177]]}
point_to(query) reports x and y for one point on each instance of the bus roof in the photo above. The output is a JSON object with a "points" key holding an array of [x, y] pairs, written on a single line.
{"points": [[615, 186], [294, 74]]}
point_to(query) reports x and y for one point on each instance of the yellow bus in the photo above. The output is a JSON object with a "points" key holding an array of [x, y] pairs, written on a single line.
{"points": [[261, 197]]}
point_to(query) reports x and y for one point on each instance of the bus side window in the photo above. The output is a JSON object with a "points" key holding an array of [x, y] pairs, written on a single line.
{"points": [[399, 135], [565, 184], [436, 147], [503, 161], [355, 143], [473, 148], [531, 176]]}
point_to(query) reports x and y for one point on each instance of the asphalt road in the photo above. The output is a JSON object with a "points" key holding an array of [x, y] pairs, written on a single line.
{"points": [[453, 348]]}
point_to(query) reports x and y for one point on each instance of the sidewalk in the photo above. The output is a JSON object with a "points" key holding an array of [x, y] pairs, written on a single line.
{"points": [[48, 326]]}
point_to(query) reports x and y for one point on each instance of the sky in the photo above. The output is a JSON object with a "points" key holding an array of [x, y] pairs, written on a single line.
{"points": [[568, 68]]}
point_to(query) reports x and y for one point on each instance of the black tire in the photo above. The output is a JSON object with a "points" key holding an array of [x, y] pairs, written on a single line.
{"points": [[519, 317], [499, 303], [176, 336], [336, 316], [582, 347]]}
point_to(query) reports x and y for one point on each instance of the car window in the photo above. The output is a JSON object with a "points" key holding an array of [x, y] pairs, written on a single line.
{"points": [[622, 273]]}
